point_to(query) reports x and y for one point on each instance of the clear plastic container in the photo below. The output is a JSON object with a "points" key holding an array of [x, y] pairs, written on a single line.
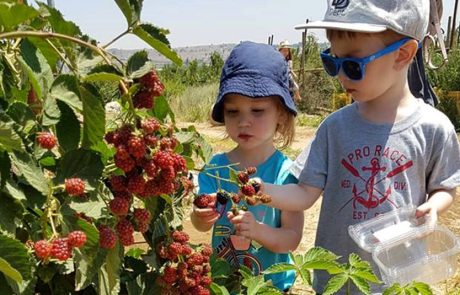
{"points": [[407, 248]]}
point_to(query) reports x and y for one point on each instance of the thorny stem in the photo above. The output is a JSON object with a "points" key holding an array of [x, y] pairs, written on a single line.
{"points": [[21, 34]]}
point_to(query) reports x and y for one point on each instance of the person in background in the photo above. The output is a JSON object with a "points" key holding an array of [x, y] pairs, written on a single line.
{"points": [[257, 110], [286, 50]]}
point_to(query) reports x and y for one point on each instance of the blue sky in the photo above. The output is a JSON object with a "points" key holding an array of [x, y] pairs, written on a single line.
{"points": [[202, 22]]}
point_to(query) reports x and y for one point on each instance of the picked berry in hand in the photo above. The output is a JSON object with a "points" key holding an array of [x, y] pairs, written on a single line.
{"points": [[223, 197]]}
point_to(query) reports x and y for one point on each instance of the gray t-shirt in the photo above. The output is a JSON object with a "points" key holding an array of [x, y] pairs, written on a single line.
{"points": [[366, 169]]}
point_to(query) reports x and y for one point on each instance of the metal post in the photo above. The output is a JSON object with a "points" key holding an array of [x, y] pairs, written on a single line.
{"points": [[454, 27]]}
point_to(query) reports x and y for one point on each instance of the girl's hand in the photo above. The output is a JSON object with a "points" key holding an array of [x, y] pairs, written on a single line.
{"points": [[205, 216], [245, 224], [427, 209]]}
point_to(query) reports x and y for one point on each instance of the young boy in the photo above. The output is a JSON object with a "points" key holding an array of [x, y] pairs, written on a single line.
{"points": [[385, 151]]}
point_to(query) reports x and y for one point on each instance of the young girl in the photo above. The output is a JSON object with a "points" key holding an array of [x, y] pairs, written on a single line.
{"points": [[255, 105], [285, 49]]}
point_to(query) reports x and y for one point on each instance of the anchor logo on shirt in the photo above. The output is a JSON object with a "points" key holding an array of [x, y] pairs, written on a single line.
{"points": [[371, 197]]}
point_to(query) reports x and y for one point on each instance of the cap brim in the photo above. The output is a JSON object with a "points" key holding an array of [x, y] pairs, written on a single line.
{"points": [[354, 27]]}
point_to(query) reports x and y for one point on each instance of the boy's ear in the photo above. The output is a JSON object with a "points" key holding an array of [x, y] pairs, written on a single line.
{"points": [[406, 54]]}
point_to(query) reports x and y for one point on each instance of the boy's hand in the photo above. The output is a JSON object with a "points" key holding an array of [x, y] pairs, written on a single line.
{"points": [[245, 224], [427, 209]]}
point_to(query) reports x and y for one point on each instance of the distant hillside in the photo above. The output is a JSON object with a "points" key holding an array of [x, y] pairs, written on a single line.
{"points": [[189, 53]]}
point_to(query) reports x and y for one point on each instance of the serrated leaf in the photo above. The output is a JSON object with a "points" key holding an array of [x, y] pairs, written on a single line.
{"points": [[13, 14], [9, 271], [30, 171], [422, 288], [102, 77], [157, 40], [93, 119], [318, 253], [11, 210], [46, 49], [218, 290], [108, 274], [68, 128], [36, 67], [335, 284], [51, 112], [22, 115], [131, 9], [138, 65], [394, 289], [368, 275], [162, 109], [65, 88], [184, 137], [305, 274], [254, 284], [219, 267], [9, 139], [59, 24], [361, 284], [92, 208], [280, 267], [15, 253], [80, 163]]}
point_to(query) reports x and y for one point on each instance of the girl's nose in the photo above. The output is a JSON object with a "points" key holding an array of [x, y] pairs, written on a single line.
{"points": [[244, 121]]}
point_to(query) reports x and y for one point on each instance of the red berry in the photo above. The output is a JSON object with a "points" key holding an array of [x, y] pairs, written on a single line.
{"points": [[163, 159], [74, 186], [169, 275], [202, 201], [180, 236], [42, 249], [168, 174], [126, 240], [124, 227], [206, 281], [142, 215], [125, 164], [119, 206], [248, 190], [251, 170], [243, 177], [107, 237], [61, 249], [46, 140], [136, 184], [77, 238], [179, 163], [151, 140], [195, 259], [143, 100], [118, 183], [150, 126], [151, 169], [207, 250], [136, 147]]}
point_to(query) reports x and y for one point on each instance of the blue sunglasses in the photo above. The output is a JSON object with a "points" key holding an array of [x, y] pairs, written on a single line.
{"points": [[354, 68]]}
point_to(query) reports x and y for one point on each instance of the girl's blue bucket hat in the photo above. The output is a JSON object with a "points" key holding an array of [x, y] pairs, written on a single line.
{"points": [[254, 70]]}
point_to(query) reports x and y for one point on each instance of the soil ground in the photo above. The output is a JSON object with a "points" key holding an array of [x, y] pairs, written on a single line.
{"points": [[216, 136]]}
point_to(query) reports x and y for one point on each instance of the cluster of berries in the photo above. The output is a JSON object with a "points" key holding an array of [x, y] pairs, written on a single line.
{"points": [[74, 187], [150, 87], [59, 248], [250, 189], [187, 270], [46, 140]]}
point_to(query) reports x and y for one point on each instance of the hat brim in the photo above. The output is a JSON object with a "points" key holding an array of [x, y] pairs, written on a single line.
{"points": [[253, 87], [342, 26]]}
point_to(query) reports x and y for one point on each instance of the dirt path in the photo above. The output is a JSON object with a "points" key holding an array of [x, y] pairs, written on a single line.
{"points": [[303, 136]]}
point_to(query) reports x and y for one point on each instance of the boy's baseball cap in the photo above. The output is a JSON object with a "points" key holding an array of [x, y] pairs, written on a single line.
{"points": [[255, 70], [407, 17]]}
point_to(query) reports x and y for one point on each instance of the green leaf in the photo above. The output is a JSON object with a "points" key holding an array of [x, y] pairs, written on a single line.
{"points": [[36, 67], [51, 112], [138, 65], [94, 206], [218, 290], [156, 39], [220, 267], [131, 9], [65, 88], [46, 49], [11, 210], [59, 24], [30, 171], [9, 271], [13, 14], [185, 137], [98, 77], [9, 139], [15, 254], [68, 128], [93, 119], [5, 168], [162, 108], [280, 267], [362, 284], [335, 284], [305, 274], [255, 284], [367, 274], [108, 275], [422, 288], [394, 289], [5, 289], [22, 115], [80, 163]]}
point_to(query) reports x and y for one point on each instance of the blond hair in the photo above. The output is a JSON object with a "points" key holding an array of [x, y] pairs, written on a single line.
{"points": [[387, 36], [285, 130]]}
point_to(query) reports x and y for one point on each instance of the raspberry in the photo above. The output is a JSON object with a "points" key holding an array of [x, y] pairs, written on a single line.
{"points": [[169, 275], [168, 174], [77, 238], [174, 249], [179, 163], [186, 250], [202, 201], [180, 236], [223, 197], [151, 140], [142, 227], [256, 186], [243, 177], [118, 183], [126, 240], [124, 195], [136, 147], [152, 83], [42, 249], [195, 259], [236, 198], [110, 137], [119, 206], [207, 250], [152, 189], [151, 169], [142, 215], [251, 170], [124, 228], [136, 184], [122, 152], [163, 159], [107, 237], [168, 143], [248, 190], [206, 281], [125, 164], [143, 100], [166, 187], [199, 290], [162, 251], [74, 186], [150, 126], [61, 249], [46, 140], [187, 184], [122, 134]]}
